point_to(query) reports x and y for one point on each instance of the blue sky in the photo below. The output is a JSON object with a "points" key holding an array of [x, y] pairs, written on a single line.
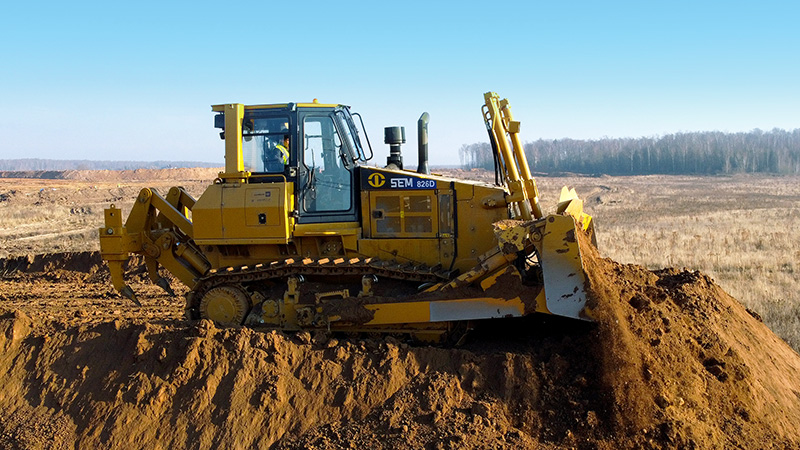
{"points": [[135, 81]]}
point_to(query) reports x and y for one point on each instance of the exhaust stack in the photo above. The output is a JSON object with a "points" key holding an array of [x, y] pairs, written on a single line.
{"points": [[422, 144], [394, 136]]}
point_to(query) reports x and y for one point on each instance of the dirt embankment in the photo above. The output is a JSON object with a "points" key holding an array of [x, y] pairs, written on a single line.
{"points": [[672, 362]]}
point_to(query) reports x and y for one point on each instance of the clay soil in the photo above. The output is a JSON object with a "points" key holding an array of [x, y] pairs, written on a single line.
{"points": [[672, 361]]}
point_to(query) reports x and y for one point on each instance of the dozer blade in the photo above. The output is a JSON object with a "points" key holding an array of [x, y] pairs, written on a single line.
{"points": [[562, 268]]}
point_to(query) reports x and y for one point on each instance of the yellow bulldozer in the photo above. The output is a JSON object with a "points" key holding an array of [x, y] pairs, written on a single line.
{"points": [[300, 233]]}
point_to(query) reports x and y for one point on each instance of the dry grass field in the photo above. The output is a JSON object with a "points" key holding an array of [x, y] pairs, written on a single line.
{"points": [[741, 230], [63, 215]]}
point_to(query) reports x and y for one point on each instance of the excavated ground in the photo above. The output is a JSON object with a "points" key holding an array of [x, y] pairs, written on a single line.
{"points": [[672, 362]]}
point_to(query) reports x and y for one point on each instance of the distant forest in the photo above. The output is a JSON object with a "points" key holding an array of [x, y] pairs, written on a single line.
{"points": [[32, 164], [709, 152]]}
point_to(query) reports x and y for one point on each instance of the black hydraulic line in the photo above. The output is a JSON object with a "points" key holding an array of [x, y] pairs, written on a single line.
{"points": [[498, 168]]}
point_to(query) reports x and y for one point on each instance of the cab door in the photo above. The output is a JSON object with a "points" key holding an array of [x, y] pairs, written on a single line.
{"points": [[326, 183]]}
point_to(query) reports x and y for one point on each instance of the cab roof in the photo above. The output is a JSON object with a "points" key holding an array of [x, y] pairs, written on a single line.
{"points": [[288, 106]]}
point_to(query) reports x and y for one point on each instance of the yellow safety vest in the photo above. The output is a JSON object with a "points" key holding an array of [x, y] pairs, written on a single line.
{"points": [[284, 153]]}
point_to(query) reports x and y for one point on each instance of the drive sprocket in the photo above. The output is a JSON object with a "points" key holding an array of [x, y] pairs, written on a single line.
{"points": [[225, 305]]}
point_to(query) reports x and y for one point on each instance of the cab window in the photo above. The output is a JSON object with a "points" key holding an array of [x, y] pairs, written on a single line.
{"points": [[266, 144]]}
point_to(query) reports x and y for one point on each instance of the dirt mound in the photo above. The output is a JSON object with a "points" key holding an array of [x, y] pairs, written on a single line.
{"points": [[78, 268], [672, 362], [84, 262], [191, 174], [42, 174], [688, 365]]}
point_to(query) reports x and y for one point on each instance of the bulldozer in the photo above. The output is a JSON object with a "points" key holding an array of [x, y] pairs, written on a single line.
{"points": [[300, 232]]}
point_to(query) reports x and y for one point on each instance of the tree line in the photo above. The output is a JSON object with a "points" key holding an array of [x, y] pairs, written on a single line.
{"points": [[708, 152]]}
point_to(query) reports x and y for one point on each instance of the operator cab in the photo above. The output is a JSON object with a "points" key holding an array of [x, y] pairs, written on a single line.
{"points": [[316, 147]]}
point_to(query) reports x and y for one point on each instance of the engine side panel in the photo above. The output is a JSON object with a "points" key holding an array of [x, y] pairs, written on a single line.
{"points": [[244, 214]]}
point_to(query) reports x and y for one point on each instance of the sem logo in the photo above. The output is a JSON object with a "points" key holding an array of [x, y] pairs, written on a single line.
{"points": [[376, 180], [402, 182]]}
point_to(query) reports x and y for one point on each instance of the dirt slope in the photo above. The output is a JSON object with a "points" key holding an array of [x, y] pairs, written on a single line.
{"points": [[688, 364], [673, 362]]}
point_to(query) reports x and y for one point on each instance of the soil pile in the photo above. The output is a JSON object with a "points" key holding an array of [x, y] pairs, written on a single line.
{"points": [[672, 362], [83, 262], [67, 267], [688, 365]]}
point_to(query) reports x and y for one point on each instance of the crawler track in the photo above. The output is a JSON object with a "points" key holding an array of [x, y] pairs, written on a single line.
{"points": [[328, 267]]}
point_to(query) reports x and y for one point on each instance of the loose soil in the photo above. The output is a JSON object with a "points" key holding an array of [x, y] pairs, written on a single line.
{"points": [[672, 361]]}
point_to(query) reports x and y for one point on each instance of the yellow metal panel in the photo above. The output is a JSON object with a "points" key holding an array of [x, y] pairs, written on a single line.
{"points": [[464, 191], [474, 225], [402, 250], [207, 214], [410, 312], [229, 214], [242, 241], [241, 218], [263, 199], [327, 229]]}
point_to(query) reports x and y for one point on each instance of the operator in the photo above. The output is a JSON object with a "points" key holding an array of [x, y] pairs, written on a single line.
{"points": [[284, 150], [276, 153]]}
